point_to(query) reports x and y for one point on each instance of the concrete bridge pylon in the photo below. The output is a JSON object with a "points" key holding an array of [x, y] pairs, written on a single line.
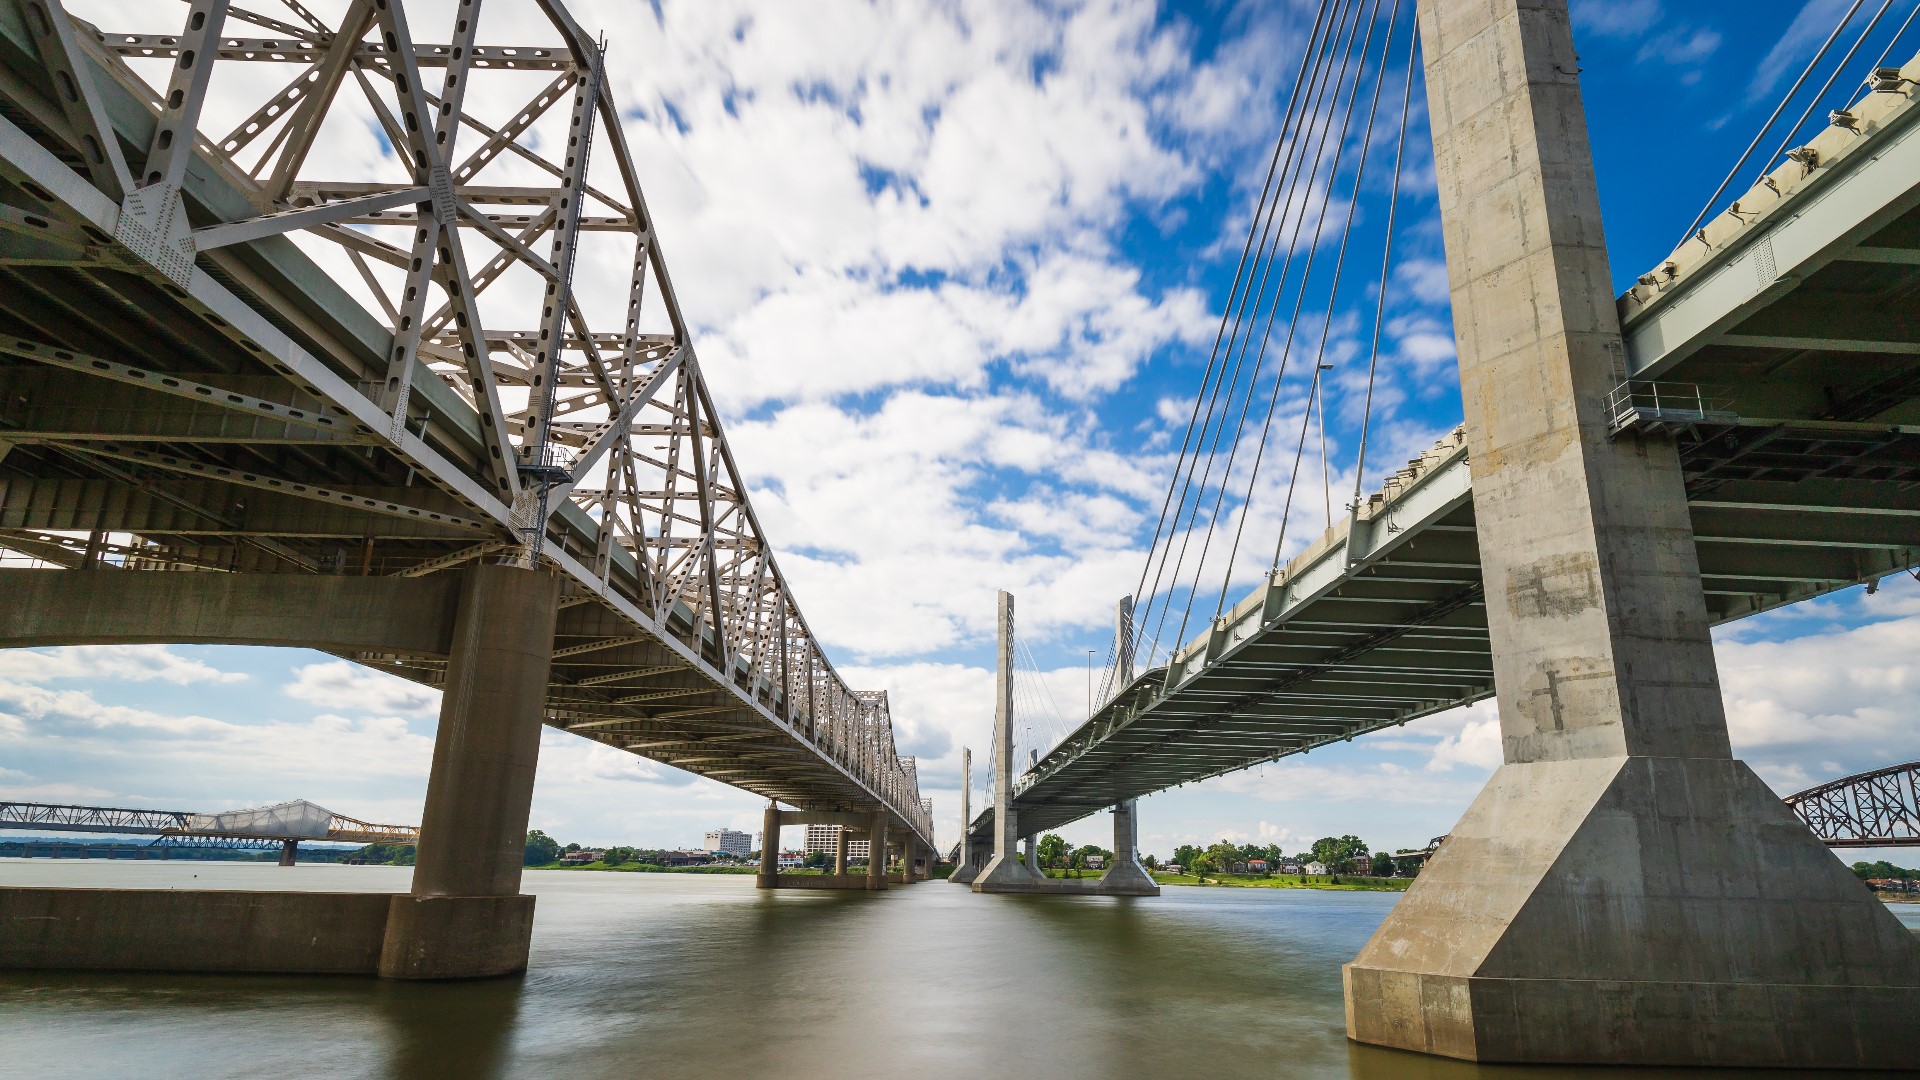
{"points": [[1623, 891]]}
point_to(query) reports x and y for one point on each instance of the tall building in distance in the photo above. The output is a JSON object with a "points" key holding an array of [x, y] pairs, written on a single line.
{"points": [[823, 838], [729, 842]]}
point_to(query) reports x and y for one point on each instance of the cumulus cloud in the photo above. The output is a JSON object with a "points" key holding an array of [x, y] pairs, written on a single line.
{"points": [[134, 662], [341, 684]]}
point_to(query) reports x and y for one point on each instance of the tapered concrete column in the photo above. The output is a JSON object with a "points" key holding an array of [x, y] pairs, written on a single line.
{"points": [[1004, 868], [1031, 857], [840, 852], [963, 870], [289, 852], [1125, 876], [877, 852], [466, 916], [769, 875], [1622, 891]]}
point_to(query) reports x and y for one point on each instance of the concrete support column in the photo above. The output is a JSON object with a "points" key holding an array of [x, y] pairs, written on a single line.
{"points": [[466, 916], [1031, 850], [1622, 891], [877, 852], [289, 852], [840, 852], [1004, 868], [769, 875], [964, 870], [1125, 876]]}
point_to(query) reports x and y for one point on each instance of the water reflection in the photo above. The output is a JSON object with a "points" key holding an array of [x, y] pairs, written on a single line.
{"points": [[679, 976]]}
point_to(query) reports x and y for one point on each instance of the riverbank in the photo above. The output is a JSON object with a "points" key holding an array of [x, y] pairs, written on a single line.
{"points": [[646, 868], [1334, 883]]}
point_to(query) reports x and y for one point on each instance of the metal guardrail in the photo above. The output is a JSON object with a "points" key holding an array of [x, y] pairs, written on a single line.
{"points": [[1653, 407]]}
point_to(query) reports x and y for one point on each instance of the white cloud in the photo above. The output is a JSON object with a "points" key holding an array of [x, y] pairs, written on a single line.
{"points": [[1616, 18], [134, 662], [342, 684]]}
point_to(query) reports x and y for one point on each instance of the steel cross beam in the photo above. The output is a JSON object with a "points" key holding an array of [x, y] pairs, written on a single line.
{"points": [[332, 373]]}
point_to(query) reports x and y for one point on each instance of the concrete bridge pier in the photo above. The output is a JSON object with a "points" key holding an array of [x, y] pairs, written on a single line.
{"points": [[1623, 891], [1004, 869], [466, 916], [1126, 877], [964, 869], [289, 852], [877, 853], [840, 853]]}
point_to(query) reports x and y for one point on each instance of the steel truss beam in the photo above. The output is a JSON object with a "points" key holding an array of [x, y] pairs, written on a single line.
{"points": [[269, 404]]}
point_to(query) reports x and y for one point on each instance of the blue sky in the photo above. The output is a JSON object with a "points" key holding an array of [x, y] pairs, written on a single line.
{"points": [[955, 269]]}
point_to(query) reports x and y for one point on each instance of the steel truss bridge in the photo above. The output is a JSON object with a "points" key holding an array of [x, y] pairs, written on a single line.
{"points": [[1873, 809], [183, 826], [1778, 347], [219, 353]]}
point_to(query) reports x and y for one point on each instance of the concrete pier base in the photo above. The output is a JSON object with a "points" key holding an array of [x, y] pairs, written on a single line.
{"points": [[1651, 911], [456, 937], [977, 856], [292, 933], [1126, 877]]}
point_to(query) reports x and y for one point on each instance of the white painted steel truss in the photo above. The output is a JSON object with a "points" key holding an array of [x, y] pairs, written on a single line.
{"points": [[436, 256]]}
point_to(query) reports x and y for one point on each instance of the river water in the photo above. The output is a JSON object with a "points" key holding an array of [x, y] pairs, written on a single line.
{"points": [[667, 976]]}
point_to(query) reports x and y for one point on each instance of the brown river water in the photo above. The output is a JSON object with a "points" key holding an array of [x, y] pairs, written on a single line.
{"points": [[667, 976]]}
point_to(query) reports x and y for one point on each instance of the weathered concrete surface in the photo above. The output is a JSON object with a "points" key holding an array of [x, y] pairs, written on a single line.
{"points": [[977, 855], [1126, 877], [456, 937], [473, 831], [877, 852], [302, 933], [409, 616], [1622, 892]]}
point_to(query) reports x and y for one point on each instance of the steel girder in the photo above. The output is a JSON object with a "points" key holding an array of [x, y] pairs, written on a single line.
{"points": [[213, 343]]}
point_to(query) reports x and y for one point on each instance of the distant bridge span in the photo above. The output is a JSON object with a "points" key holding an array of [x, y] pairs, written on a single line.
{"points": [[1873, 809]]}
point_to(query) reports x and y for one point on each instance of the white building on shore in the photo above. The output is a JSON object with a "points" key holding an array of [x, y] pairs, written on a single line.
{"points": [[729, 842]]}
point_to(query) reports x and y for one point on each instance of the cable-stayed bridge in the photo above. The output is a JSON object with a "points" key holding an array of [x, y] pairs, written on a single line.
{"points": [[1738, 432], [1774, 349], [355, 333]]}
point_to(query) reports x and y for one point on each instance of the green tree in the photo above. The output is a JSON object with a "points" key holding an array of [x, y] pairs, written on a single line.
{"points": [[1185, 854], [541, 849], [1341, 854], [1052, 850], [818, 859], [1149, 863], [1223, 855], [617, 856], [1382, 864], [1199, 865]]}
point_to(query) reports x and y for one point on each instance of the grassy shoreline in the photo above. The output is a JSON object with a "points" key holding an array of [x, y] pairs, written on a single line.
{"points": [[646, 868], [1334, 883]]}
